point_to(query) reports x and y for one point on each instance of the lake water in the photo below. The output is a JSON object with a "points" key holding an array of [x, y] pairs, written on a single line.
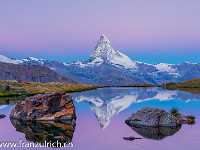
{"points": [[101, 116]]}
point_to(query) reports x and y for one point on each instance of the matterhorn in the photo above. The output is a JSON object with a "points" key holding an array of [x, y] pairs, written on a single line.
{"points": [[108, 66]]}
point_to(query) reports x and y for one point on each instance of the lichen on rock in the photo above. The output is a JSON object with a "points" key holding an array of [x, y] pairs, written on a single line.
{"points": [[49, 106], [153, 117]]}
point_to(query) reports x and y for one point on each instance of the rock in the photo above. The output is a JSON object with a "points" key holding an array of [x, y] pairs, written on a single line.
{"points": [[4, 87], [17, 89], [156, 133], [185, 120], [130, 138], [49, 131], [153, 117], [50, 106], [2, 116]]}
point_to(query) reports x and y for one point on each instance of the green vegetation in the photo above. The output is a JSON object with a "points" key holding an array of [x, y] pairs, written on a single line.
{"points": [[194, 83], [33, 88], [171, 86], [175, 111], [4, 93], [191, 117], [191, 86]]}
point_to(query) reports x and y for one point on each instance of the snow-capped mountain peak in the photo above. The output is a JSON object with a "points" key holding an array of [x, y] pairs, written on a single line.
{"points": [[10, 60], [106, 53], [104, 38], [103, 49]]}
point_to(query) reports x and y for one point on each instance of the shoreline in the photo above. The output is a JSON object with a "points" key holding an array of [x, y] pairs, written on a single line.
{"points": [[33, 88]]}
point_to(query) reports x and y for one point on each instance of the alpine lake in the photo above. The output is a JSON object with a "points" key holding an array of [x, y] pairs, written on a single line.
{"points": [[100, 123]]}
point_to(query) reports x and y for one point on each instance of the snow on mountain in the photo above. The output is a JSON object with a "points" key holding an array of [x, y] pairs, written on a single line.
{"points": [[167, 67], [105, 52], [29, 59], [19, 61], [10, 60], [82, 64], [107, 66]]}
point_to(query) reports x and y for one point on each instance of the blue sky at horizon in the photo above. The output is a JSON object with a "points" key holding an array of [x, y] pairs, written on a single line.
{"points": [[147, 31]]}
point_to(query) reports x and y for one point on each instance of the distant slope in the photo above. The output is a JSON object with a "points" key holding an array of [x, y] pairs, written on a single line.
{"points": [[191, 86], [194, 83], [30, 73]]}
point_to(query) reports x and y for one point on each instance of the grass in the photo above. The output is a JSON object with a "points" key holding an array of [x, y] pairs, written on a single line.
{"points": [[33, 88], [194, 83], [175, 111], [191, 86], [191, 117]]}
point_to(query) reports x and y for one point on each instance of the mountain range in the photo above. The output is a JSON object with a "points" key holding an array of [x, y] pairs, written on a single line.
{"points": [[107, 66], [30, 73]]}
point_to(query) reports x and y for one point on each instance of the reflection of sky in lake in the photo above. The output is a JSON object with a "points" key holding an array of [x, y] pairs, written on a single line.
{"points": [[117, 103]]}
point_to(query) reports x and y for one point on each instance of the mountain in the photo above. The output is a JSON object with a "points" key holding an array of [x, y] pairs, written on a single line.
{"points": [[30, 73], [108, 102], [107, 66]]}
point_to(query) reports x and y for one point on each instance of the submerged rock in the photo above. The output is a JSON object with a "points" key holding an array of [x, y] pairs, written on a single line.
{"points": [[156, 133], [49, 106], [130, 138], [2, 116], [49, 131], [153, 117]]}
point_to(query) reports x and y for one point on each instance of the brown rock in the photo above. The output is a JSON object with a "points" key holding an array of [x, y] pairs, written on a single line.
{"points": [[49, 106]]}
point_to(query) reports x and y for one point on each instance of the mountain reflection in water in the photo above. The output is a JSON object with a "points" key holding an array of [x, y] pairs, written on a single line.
{"points": [[106, 102]]}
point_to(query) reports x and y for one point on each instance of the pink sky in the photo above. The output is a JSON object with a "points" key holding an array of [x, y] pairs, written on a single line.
{"points": [[142, 29]]}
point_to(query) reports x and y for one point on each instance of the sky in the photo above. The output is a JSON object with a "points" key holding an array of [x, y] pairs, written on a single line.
{"points": [[149, 31]]}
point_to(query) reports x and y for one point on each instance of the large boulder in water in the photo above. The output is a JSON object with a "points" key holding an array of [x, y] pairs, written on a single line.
{"points": [[49, 106], [153, 117]]}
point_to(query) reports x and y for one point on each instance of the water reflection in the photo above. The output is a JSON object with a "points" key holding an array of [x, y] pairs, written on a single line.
{"points": [[107, 102], [48, 131], [156, 133], [11, 101]]}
